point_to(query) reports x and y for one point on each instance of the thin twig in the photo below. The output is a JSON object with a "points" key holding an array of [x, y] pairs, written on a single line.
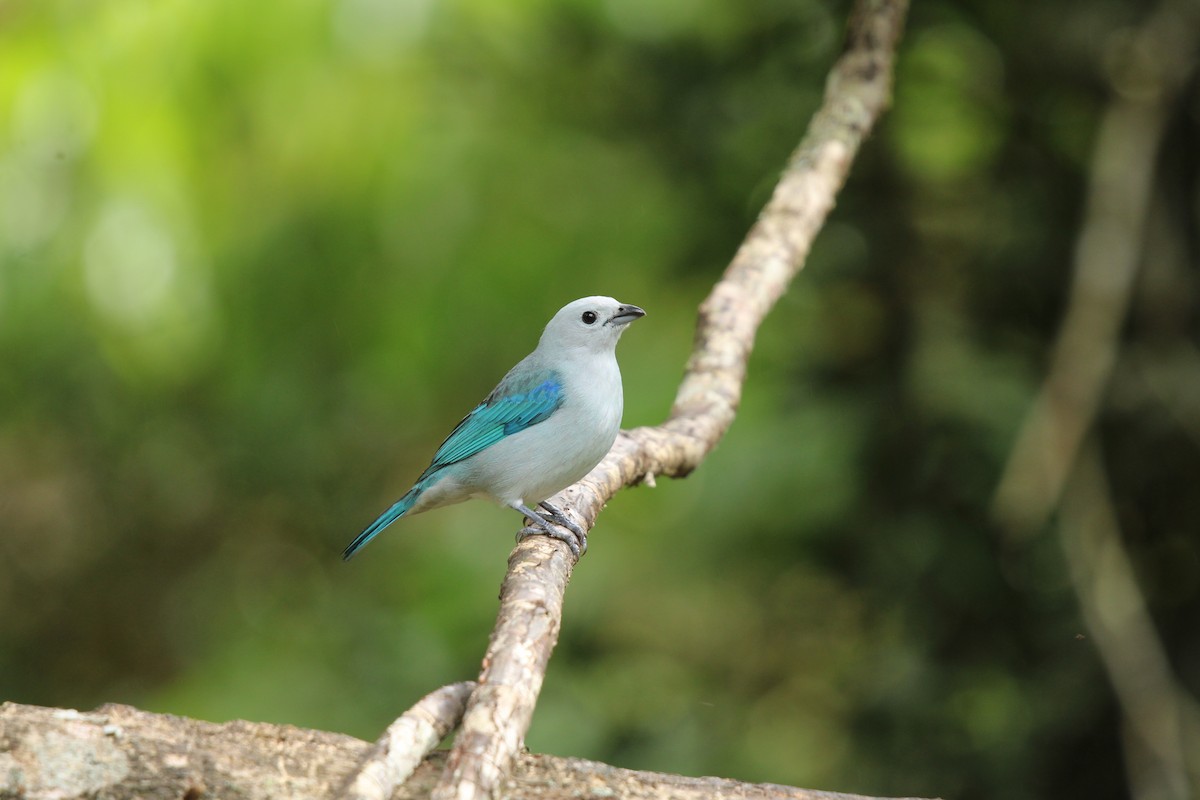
{"points": [[406, 742]]}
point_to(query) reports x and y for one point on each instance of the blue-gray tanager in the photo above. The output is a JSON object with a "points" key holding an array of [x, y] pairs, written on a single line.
{"points": [[554, 416]]}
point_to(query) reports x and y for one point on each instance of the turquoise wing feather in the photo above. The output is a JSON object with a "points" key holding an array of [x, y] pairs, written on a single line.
{"points": [[514, 405], [522, 399]]}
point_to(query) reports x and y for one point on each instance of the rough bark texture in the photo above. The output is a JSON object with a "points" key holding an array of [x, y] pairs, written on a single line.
{"points": [[500, 710], [857, 93], [118, 753]]}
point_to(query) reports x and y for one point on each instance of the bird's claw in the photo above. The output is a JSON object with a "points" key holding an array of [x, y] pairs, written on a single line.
{"points": [[545, 526], [559, 518], [577, 545]]}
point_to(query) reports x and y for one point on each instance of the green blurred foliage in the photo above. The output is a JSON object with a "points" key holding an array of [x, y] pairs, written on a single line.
{"points": [[257, 258]]}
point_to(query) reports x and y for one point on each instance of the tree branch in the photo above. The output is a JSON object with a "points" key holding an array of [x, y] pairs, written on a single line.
{"points": [[118, 752], [857, 92], [1161, 721], [1056, 461], [407, 741], [122, 752], [1107, 255]]}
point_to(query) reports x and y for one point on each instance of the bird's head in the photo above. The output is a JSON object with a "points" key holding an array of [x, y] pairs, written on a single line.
{"points": [[590, 323]]}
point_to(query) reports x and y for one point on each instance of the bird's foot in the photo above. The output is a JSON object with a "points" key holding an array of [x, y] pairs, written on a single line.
{"points": [[559, 518], [577, 546], [547, 524]]}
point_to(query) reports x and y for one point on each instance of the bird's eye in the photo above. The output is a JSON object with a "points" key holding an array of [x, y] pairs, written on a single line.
{"points": [[589, 317]]}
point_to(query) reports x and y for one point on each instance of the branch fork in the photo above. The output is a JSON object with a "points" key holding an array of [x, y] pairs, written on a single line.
{"points": [[498, 711]]}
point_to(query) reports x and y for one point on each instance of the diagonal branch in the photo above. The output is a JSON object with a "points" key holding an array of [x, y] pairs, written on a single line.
{"points": [[1107, 256], [406, 742], [1056, 462], [857, 92], [1161, 721]]}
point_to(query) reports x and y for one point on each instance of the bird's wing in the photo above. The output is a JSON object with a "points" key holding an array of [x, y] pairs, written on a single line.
{"points": [[520, 401]]}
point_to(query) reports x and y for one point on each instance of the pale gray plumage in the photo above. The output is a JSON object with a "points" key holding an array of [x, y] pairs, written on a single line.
{"points": [[552, 418]]}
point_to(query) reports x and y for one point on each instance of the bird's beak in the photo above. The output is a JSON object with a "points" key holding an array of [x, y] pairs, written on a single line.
{"points": [[625, 315]]}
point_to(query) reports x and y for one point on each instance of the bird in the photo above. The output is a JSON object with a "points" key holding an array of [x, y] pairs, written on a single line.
{"points": [[552, 418]]}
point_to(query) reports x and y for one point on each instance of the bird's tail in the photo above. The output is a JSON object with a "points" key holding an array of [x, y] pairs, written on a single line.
{"points": [[398, 510]]}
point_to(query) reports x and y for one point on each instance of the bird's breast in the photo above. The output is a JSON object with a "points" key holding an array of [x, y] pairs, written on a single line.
{"points": [[547, 457]]}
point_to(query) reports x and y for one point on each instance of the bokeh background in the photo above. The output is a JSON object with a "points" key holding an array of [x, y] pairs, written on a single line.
{"points": [[256, 259]]}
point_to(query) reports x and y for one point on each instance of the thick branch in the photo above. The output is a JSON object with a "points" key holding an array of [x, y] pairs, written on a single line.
{"points": [[857, 92], [118, 752], [499, 711]]}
